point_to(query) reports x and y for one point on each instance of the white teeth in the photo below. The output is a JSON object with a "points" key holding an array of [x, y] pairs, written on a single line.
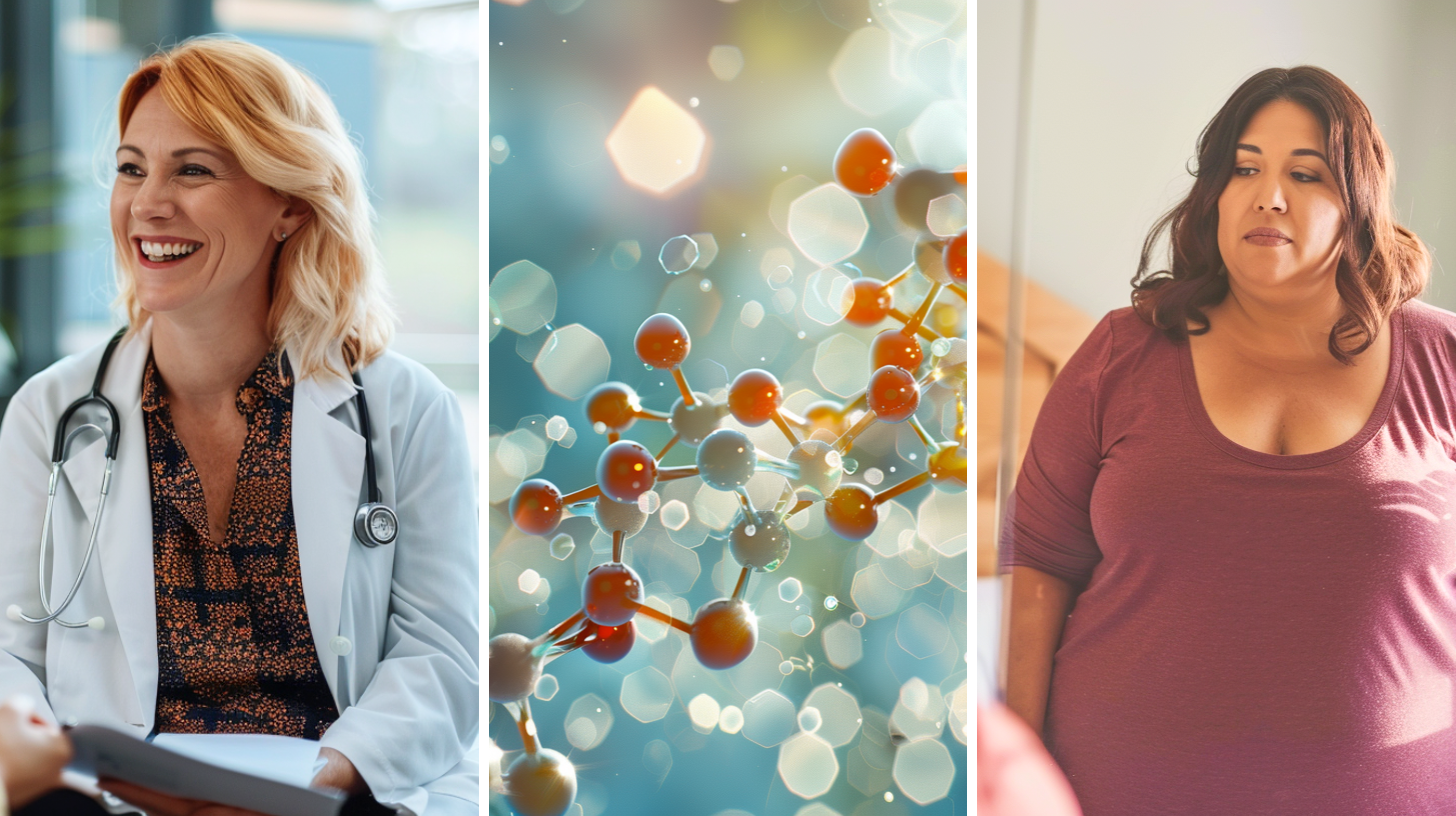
{"points": [[157, 253]]}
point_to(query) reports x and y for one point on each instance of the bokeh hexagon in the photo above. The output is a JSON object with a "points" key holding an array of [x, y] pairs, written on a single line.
{"points": [[938, 135], [807, 765], [768, 718], [646, 694], [861, 72], [573, 361], [924, 770], [922, 631], [657, 146], [841, 364], [725, 61], [588, 722], [525, 296], [839, 714], [843, 645], [827, 224]]}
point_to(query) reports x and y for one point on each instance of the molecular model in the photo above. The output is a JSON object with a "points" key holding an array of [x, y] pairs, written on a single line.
{"points": [[912, 366]]}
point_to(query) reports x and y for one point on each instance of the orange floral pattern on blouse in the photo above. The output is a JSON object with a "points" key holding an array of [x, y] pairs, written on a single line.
{"points": [[234, 650]]}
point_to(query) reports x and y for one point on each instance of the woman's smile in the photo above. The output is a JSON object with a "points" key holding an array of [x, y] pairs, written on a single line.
{"points": [[163, 251]]}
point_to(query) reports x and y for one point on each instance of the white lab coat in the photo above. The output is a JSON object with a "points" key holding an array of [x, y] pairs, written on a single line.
{"points": [[396, 627]]}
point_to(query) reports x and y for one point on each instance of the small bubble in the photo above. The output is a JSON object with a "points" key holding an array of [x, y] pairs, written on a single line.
{"points": [[850, 465], [674, 515], [940, 348], [874, 476], [730, 720], [889, 796], [802, 335], [786, 668], [750, 530], [546, 687], [601, 427], [693, 102], [810, 719], [831, 603], [649, 502], [706, 285], [562, 546], [790, 589], [857, 620], [556, 428], [678, 255], [914, 456], [784, 169]]}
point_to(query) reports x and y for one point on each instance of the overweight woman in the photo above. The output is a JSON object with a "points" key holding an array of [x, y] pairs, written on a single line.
{"points": [[246, 573], [1242, 489]]}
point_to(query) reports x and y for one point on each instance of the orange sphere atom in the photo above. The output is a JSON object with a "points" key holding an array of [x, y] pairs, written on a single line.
{"points": [[870, 301], [536, 507], [893, 394], [865, 162], [895, 347], [613, 404], [662, 341], [954, 258], [723, 633], [625, 471], [754, 396], [850, 512]]}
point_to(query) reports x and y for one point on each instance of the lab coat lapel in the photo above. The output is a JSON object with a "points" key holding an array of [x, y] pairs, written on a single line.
{"points": [[124, 544], [328, 469]]}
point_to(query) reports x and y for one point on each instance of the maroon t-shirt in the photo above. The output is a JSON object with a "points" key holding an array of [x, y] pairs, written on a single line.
{"points": [[1257, 633]]}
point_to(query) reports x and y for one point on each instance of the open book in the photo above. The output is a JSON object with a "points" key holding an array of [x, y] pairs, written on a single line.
{"points": [[261, 772]]}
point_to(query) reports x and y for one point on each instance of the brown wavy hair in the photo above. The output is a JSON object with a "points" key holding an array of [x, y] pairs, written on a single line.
{"points": [[1382, 265]]}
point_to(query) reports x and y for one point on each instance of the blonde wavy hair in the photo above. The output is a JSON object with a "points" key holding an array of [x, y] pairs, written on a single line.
{"points": [[328, 294]]}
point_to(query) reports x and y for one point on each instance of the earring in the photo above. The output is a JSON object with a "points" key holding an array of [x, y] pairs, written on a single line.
{"points": [[282, 236]]}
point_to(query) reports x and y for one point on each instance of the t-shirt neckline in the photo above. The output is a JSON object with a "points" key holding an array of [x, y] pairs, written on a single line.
{"points": [[1199, 414]]}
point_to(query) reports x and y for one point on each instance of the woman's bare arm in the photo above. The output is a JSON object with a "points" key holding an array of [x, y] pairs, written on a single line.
{"points": [[1038, 610]]}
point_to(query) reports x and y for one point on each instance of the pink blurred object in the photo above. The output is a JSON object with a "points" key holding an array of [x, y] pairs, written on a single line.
{"points": [[1015, 774]]}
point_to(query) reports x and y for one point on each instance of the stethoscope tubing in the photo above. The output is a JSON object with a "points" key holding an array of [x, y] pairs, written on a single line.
{"points": [[61, 448]]}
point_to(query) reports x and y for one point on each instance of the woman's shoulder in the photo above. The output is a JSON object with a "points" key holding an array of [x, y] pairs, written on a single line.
{"points": [[400, 384], [1425, 321], [1119, 340], [1429, 333]]}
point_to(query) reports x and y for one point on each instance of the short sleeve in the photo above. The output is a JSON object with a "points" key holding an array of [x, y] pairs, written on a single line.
{"points": [[1048, 522]]}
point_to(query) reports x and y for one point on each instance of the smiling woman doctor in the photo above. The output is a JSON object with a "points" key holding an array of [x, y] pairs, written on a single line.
{"points": [[230, 588]]}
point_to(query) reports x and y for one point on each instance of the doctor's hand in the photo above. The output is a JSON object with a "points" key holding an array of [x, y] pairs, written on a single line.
{"points": [[338, 773], [160, 804], [32, 751]]}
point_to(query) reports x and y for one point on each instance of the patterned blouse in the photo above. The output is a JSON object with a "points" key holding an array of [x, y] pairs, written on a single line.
{"points": [[234, 650]]}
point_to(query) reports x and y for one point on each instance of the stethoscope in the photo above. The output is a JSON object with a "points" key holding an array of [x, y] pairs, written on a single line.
{"points": [[375, 524]]}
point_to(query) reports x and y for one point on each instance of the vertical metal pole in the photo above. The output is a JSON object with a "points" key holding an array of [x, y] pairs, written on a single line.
{"points": [[1016, 310]]}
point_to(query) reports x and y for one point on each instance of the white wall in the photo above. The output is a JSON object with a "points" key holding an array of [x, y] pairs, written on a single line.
{"points": [[1122, 88]]}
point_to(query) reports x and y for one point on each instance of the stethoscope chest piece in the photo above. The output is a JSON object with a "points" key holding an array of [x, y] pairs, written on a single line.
{"points": [[375, 524]]}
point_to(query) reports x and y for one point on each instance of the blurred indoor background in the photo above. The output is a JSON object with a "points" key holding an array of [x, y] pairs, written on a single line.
{"points": [[1118, 94], [749, 100], [404, 75]]}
